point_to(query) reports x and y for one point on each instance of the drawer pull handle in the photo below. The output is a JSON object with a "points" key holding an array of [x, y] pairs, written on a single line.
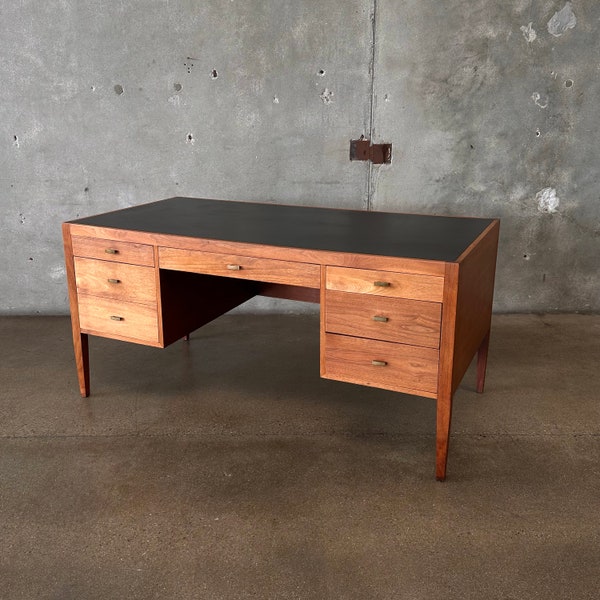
{"points": [[380, 319], [111, 251], [379, 363], [383, 283], [116, 318], [114, 280], [234, 267]]}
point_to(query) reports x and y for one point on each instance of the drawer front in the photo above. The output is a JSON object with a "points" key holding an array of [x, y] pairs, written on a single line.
{"points": [[119, 281], [396, 367], [122, 252], [241, 267], [113, 318], [390, 319], [386, 283]]}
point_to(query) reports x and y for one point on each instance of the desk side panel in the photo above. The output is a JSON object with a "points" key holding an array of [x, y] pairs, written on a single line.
{"points": [[476, 275]]}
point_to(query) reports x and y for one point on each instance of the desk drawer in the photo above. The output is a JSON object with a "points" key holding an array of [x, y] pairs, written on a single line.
{"points": [[118, 281], [397, 367], [122, 252], [118, 319], [240, 267], [382, 318], [386, 283]]}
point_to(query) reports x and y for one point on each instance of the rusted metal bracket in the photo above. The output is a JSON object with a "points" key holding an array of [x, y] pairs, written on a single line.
{"points": [[378, 154]]}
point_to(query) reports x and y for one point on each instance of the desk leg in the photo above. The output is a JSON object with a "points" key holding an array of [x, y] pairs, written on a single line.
{"points": [[482, 356], [442, 438], [80, 340], [82, 360]]}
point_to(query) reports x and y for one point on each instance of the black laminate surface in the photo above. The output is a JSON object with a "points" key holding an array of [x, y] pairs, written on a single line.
{"points": [[362, 232]]}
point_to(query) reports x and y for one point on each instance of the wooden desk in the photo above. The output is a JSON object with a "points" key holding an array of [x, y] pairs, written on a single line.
{"points": [[406, 300]]}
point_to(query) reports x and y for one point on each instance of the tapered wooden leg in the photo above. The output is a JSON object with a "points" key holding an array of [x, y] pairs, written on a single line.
{"points": [[186, 337], [482, 356], [80, 340], [442, 437], [82, 360]]}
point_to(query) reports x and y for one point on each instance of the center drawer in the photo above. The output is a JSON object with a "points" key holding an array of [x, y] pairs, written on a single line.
{"points": [[241, 267], [381, 318]]}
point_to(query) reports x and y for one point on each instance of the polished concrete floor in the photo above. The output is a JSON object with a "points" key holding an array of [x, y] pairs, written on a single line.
{"points": [[224, 468]]}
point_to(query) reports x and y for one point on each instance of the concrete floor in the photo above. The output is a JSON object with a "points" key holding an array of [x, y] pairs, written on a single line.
{"points": [[226, 469]]}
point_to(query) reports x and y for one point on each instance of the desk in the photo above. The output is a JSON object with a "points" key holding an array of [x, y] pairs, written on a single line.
{"points": [[406, 300]]}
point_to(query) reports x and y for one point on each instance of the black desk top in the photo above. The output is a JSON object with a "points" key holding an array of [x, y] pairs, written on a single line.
{"points": [[362, 232]]}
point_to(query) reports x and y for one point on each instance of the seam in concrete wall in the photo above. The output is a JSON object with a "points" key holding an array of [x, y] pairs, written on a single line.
{"points": [[371, 132]]}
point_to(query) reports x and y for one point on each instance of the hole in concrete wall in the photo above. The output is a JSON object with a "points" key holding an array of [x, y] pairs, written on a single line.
{"points": [[86, 189], [15, 141], [30, 258], [569, 83], [189, 138], [327, 96], [538, 133], [541, 101], [526, 256], [190, 63], [118, 89], [214, 74], [321, 72], [177, 87]]}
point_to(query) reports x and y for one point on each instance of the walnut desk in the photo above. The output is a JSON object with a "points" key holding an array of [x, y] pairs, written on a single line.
{"points": [[406, 300]]}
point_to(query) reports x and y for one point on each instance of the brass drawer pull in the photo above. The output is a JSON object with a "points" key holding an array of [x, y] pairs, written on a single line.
{"points": [[116, 318], [379, 363], [114, 280], [380, 319], [111, 251], [382, 284], [234, 267]]}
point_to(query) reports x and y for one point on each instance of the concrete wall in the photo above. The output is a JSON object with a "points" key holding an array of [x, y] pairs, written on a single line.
{"points": [[493, 107], [108, 104]]}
